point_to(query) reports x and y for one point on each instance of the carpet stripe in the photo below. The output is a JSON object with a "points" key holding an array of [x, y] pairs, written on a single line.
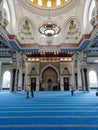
{"points": [[2, 117], [50, 125]]}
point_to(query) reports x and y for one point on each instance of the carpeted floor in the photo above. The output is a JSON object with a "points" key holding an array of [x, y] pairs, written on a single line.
{"points": [[49, 111]]}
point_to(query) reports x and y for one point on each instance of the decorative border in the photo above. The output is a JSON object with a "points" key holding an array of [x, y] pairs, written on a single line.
{"points": [[44, 12]]}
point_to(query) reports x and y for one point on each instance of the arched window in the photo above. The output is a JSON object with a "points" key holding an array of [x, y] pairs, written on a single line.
{"points": [[92, 79], [6, 80]]}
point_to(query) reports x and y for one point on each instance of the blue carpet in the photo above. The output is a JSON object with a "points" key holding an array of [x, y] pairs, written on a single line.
{"points": [[49, 111]]}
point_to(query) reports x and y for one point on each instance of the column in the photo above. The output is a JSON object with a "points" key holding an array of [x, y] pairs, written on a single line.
{"points": [[96, 12], [23, 78], [27, 85], [0, 76], [97, 72], [20, 76], [85, 79], [1, 7], [13, 80], [76, 82], [73, 77], [79, 76], [16, 80]]}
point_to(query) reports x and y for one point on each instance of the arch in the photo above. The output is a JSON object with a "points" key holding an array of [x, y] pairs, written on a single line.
{"points": [[89, 5], [71, 23], [9, 7], [54, 11], [66, 71], [6, 80], [49, 65], [33, 71], [92, 79], [49, 79], [20, 21], [26, 22], [92, 10]]}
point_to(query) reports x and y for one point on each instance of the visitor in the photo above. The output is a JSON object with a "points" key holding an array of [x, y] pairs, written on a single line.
{"points": [[72, 90], [32, 92], [97, 92]]}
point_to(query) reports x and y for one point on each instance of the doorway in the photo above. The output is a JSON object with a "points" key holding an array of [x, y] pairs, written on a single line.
{"points": [[49, 83], [66, 83], [49, 79], [33, 84]]}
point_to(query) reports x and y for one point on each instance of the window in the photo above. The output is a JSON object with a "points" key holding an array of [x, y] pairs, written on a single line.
{"points": [[58, 2], [49, 3], [40, 2], [93, 79], [6, 80]]}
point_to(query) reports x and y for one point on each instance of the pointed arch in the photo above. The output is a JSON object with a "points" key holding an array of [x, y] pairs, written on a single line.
{"points": [[49, 65], [10, 9]]}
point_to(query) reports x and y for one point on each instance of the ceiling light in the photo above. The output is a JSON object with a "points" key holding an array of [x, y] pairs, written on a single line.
{"points": [[49, 28]]}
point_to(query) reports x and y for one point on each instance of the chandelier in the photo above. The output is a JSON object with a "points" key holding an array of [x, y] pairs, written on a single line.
{"points": [[49, 28]]}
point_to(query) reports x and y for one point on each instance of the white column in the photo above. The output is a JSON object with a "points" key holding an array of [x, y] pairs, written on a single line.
{"points": [[1, 7], [73, 77], [83, 76], [20, 76], [79, 75], [1, 4], [0, 76], [96, 12], [27, 86]]}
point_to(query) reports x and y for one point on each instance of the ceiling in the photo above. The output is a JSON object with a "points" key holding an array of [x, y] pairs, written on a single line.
{"points": [[72, 16], [41, 7], [52, 4]]}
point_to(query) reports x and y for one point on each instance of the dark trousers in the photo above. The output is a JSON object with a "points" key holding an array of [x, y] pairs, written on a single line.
{"points": [[32, 93], [72, 92]]}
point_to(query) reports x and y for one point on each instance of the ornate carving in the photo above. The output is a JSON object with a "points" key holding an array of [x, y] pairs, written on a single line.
{"points": [[4, 19], [25, 34], [33, 71], [92, 21], [73, 31], [66, 71]]}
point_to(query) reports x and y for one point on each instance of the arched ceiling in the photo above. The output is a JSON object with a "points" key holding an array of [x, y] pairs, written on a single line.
{"points": [[41, 7], [52, 4], [63, 13]]}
